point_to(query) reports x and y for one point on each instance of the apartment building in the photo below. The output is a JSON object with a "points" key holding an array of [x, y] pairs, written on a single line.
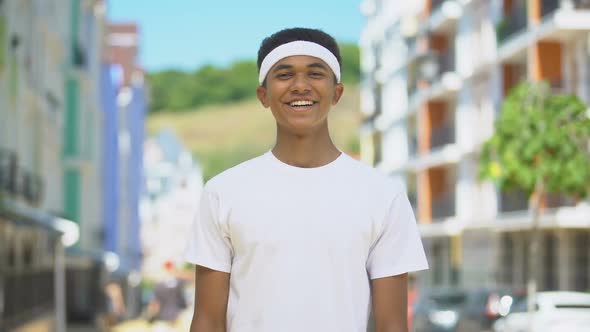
{"points": [[434, 77], [31, 93], [62, 164], [48, 107]]}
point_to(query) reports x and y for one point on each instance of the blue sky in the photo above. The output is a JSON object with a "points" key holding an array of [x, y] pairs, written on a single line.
{"points": [[185, 34]]}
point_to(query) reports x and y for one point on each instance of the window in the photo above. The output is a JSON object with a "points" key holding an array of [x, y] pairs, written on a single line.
{"points": [[522, 306], [549, 249], [507, 247], [581, 260]]}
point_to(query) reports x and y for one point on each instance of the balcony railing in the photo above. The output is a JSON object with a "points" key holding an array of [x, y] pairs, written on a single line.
{"points": [[442, 136], [446, 62], [413, 198], [412, 145], [412, 85], [412, 44], [549, 6], [579, 4], [27, 296], [558, 200], [377, 92], [433, 65], [512, 24], [444, 205], [435, 5]]}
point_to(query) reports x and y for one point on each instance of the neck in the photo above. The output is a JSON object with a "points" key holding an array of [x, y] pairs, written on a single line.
{"points": [[312, 149]]}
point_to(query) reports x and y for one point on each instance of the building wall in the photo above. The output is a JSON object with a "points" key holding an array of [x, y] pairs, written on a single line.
{"points": [[89, 131], [110, 151], [127, 120], [33, 53], [487, 67]]}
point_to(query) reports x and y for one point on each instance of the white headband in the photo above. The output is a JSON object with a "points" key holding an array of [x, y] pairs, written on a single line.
{"points": [[299, 47]]}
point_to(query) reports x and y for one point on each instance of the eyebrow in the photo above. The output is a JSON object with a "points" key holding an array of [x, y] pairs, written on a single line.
{"points": [[311, 65], [281, 67], [317, 65]]}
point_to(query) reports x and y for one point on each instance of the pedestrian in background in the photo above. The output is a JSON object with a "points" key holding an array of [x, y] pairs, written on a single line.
{"points": [[168, 300], [114, 306]]}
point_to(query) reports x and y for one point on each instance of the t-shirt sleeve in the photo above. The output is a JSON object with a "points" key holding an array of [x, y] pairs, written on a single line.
{"points": [[398, 249], [208, 243]]}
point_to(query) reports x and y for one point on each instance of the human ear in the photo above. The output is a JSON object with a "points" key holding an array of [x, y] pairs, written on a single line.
{"points": [[338, 90], [261, 94]]}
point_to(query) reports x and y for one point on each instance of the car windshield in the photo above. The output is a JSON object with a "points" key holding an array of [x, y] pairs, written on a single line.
{"points": [[520, 306], [447, 300]]}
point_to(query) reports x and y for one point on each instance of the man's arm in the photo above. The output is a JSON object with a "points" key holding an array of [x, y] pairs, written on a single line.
{"points": [[390, 303], [211, 296]]}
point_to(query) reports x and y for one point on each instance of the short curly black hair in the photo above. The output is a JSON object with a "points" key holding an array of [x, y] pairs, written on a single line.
{"points": [[293, 34]]}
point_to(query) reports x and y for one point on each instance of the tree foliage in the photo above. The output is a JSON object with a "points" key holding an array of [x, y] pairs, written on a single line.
{"points": [[174, 90], [540, 137]]}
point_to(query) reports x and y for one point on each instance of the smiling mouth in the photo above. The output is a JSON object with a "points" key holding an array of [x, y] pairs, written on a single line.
{"points": [[301, 105]]}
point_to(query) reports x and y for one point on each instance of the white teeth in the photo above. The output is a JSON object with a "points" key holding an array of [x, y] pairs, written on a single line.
{"points": [[301, 103]]}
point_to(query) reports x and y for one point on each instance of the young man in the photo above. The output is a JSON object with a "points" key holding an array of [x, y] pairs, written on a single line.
{"points": [[303, 238]]}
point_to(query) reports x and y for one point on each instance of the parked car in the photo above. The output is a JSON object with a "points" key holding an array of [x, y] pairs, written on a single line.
{"points": [[554, 312], [437, 310], [484, 306]]}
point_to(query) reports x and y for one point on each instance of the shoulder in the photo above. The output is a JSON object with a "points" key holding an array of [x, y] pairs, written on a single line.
{"points": [[237, 176], [375, 180]]}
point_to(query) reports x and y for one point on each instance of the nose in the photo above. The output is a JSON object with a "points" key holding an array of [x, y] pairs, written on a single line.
{"points": [[300, 84]]}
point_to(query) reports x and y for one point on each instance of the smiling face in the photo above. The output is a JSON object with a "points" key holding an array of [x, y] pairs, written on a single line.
{"points": [[300, 90]]}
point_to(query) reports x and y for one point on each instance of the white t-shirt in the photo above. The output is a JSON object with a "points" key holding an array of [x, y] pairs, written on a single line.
{"points": [[301, 244]]}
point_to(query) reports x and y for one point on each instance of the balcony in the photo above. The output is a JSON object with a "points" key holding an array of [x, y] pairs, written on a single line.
{"points": [[412, 145], [436, 73], [27, 295], [442, 136], [412, 86], [9, 172], [511, 24], [435, 5], [577, 4], [413, 198], [549, 6], [446, 62], [512, 201], [443, 18], [378, 95], [435, 64], [79, 56], [562, 20], [443, 206], [559, 200]]}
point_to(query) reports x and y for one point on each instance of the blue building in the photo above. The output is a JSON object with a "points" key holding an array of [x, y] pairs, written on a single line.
{"points": [[110, 169], [124, 109]]}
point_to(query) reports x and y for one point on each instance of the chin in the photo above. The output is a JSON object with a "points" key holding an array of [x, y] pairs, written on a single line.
{"points": [[303, 128]]}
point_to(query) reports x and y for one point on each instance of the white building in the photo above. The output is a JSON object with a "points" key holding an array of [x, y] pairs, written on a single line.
{"points": [[173, 184], [434, 77]]}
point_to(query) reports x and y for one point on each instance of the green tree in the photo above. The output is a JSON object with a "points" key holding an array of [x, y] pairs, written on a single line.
{"points": [[174, 90], [351, 68], [540, 145]]}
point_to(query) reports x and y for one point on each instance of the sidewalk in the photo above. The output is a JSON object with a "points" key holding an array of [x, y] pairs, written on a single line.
{"points": [[81, 328]]}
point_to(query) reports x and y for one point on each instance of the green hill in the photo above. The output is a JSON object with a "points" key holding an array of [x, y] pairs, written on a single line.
{"points": [[222, 136]]}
